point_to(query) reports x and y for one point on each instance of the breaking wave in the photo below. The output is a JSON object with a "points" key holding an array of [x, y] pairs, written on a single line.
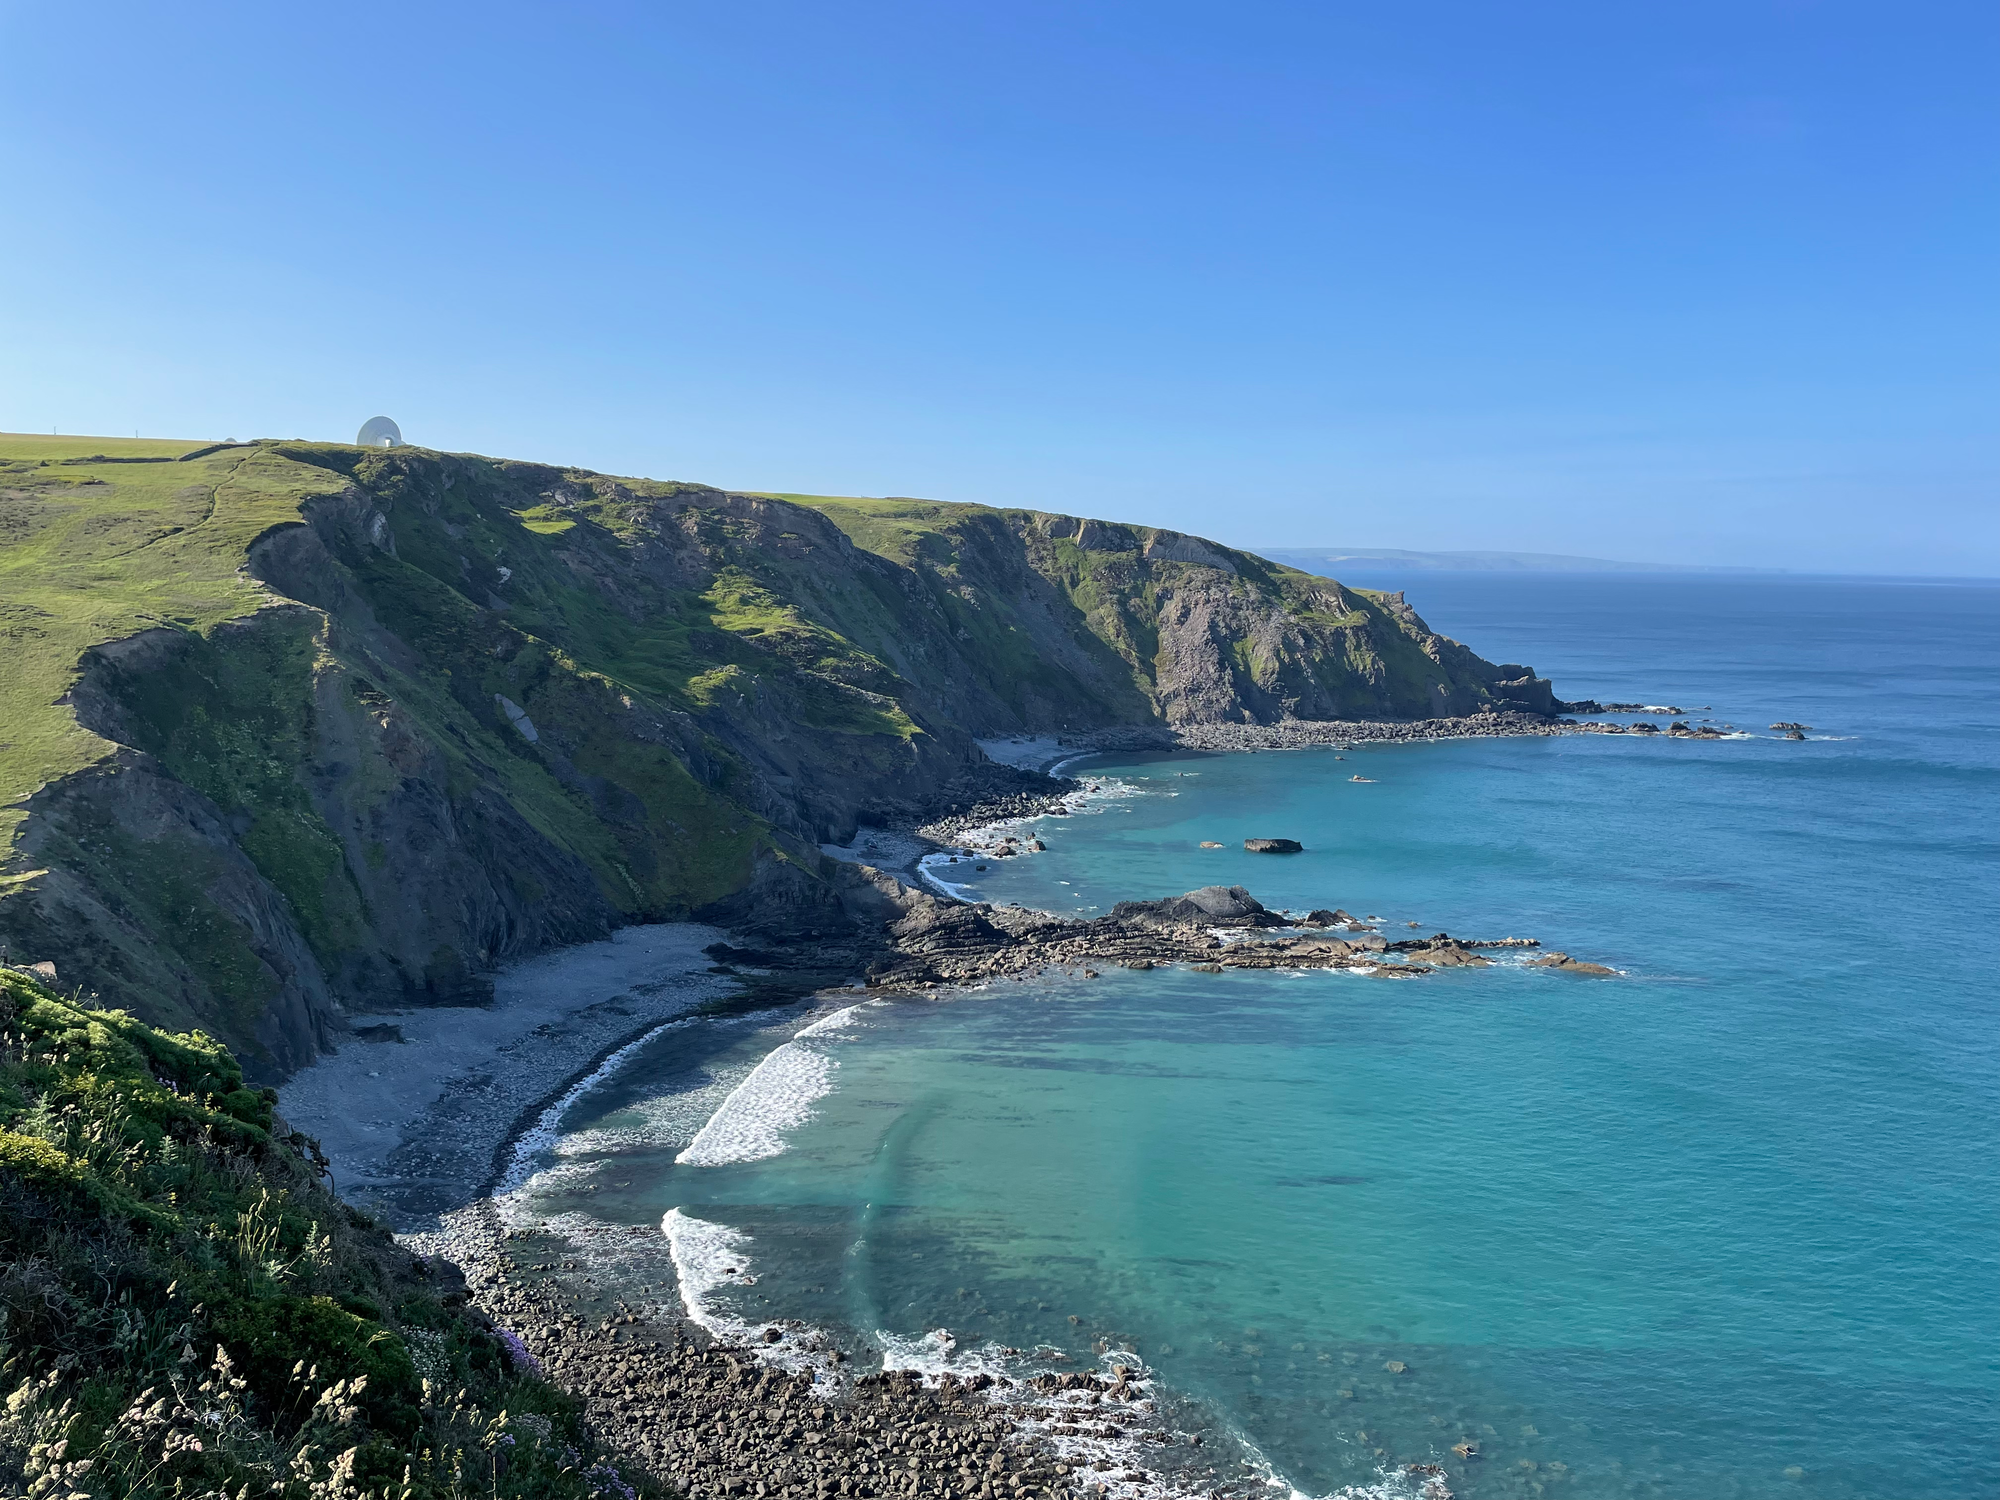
{"points": [[777, 1096]]}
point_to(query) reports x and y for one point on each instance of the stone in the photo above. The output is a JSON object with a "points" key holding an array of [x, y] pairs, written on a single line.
{"points": [[1274, 846], [1212, 903], [1568, 965]]}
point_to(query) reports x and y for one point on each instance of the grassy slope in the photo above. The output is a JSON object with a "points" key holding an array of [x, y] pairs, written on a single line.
{"points": [[161, 1233], [100, 539], [714, 676]]}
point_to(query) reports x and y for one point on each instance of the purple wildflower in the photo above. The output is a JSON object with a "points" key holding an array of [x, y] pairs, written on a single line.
{"points": [[517, 1353]]}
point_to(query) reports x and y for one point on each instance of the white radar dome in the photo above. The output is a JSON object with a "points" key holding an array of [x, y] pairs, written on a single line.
{"points": [[380, 432]]}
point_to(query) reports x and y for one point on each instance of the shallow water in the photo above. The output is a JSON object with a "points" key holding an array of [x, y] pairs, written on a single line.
{"points": [[1723, 1227]]}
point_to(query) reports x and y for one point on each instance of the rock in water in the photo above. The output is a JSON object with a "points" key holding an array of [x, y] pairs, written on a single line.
{"points": [[1273, 846], [1212, 903], [1568, 965]]}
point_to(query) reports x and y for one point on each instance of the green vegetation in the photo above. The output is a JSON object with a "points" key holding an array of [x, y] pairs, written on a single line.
{"points": [[476, 707], [896, 529], [186, 1310], [233, 718], [99, 539]]}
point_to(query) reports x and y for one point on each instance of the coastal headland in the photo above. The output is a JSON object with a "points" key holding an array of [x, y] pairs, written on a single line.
{"points": [[431, 783], [299, 732]]}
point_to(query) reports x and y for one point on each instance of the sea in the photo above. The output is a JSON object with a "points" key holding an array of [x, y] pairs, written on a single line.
{"points": [[1725, 1225]]}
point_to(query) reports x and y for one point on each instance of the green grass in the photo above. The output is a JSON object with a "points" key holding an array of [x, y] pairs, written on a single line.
{"points": [[173, 1266], [893, 528], [95, 547], [657, 631]]}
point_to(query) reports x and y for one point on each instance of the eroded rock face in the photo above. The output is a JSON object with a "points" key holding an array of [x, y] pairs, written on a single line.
{"points": [[147, 892], [496, 707]]}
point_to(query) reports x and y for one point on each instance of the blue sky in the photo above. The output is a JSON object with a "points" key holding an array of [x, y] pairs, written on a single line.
{"points": [[1702, 282]]}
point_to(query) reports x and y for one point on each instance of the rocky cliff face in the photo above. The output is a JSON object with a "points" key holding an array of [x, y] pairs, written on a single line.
{"points": [[489, 707], [1149, 625]]}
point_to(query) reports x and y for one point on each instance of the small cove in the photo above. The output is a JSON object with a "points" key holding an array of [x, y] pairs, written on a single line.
{"points": [[1722, 1227]]}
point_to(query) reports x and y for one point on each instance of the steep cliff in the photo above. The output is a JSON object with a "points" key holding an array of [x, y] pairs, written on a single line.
{"points": [[294, 729]]}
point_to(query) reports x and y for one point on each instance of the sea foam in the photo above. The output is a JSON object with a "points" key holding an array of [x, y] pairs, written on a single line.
{"points": [[710, 1258], [777, 1096], [543, 1135]]}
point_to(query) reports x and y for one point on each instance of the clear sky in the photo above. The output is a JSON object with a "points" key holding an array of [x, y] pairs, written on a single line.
{"points": [[1709, 281]]}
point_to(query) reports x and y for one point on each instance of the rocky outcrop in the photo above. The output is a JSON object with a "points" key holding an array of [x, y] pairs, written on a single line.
{"points": [[928, 942], [489, 707], [1217, 905], [1563, 963], [1274, 846], [148, 896]]}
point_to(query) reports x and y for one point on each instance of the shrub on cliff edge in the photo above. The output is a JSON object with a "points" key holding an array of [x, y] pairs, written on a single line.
{"points": [[186, 1310]]}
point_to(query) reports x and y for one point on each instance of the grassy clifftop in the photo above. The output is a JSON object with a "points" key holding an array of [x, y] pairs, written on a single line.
{"points": [[101, 538], [291, 729], [186, 1309]]}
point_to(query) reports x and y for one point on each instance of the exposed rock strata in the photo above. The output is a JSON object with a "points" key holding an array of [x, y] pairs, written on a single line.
{"points": [[490, 708], [933, 942]]}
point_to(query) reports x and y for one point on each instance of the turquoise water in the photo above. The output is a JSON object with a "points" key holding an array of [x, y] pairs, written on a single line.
{"points": [[1726, 1226]]}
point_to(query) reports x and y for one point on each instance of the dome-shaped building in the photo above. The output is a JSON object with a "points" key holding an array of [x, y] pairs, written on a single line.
{"points": [[380, 432]]}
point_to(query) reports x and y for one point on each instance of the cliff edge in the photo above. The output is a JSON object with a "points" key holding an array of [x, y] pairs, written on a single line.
{"points": [[294, 729]]}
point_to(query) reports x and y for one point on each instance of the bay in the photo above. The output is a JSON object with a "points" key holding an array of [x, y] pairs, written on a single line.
{"points": [[1723, 1226]]}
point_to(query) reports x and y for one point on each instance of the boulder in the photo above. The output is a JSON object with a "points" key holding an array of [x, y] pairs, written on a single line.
{"points": [[1273, 846], [1442, 951], [1210, 904], [1568, 965]]}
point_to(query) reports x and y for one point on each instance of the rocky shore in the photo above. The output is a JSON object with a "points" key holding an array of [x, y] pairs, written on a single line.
{"points": [[720, 1420], [935, 942], [1284, 734], [779, 1412], [1305, 734]]}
